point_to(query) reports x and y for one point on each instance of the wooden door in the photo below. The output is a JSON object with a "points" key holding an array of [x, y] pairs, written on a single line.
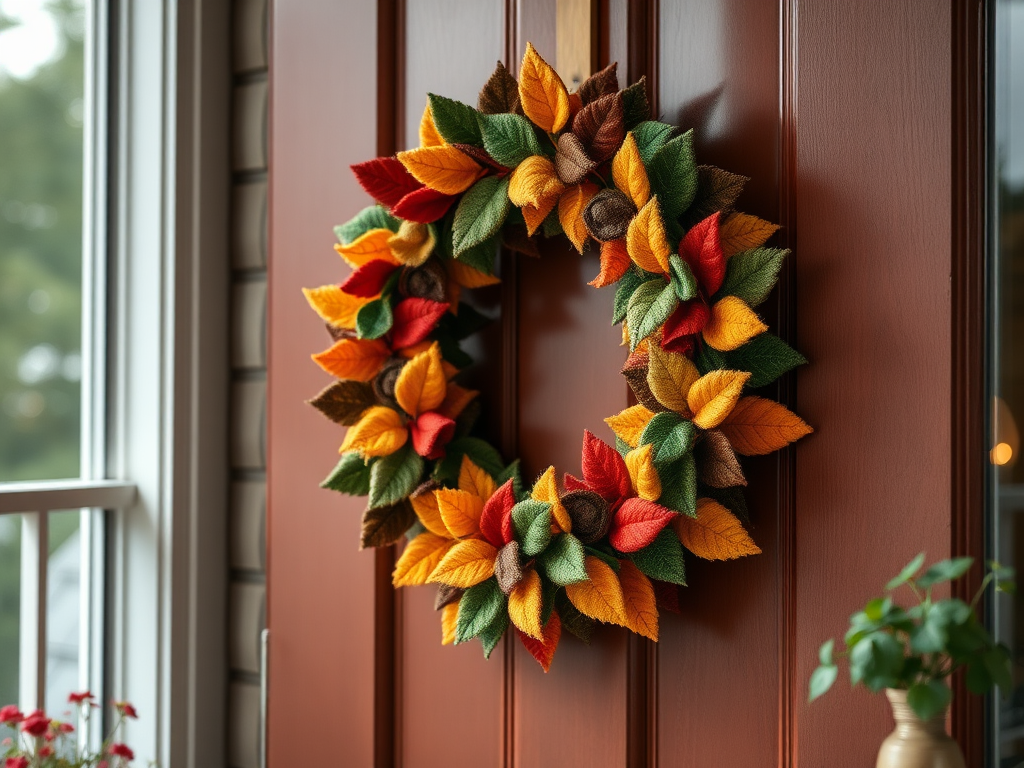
{"points": [[843, 115]]}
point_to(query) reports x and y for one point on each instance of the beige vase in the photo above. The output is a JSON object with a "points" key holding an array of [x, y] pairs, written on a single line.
{"points": [[917, 743]]}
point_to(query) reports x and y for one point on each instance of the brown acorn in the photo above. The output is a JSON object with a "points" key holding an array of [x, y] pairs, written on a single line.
{"points": [[507, 569], [589, 513], [426, 282], [608, 214], [384, 383]]}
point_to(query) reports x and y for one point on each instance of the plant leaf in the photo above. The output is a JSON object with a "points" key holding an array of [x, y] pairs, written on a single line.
{"points": [[645, 239], [524, 604], [907, 573], [929, 699], [822, 679], [670, 376], [650, 137], [945, 570], [500, 93]]}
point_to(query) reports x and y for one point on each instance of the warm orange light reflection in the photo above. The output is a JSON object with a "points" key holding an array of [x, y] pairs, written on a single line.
{"points": [[1001, 454]]}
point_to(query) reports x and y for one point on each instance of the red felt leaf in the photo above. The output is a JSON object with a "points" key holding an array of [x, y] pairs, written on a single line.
{"points": [[423, 206], [604, 470], [414, 319], [430, 433], [508, 531], [369, 279], [496, 509], [637, 523], [702, 250], [666, 595], [544, 650], [689, 318], [573, 483], [385, 180]]}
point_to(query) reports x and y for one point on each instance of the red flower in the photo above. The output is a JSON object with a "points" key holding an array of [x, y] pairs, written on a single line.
{"points": [[122, 750], [81, 698], [46, 751], [11, 714], [702, 252], [16, 762], [126, 709], [36, 724], [65, 727]]}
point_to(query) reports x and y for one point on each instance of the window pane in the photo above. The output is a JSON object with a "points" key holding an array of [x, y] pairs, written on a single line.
{"points": [[10, 605], [63, 611], [41, 114]]}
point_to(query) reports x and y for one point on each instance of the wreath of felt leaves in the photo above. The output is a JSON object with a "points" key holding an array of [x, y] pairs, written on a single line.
{"points": [[532, 161]]}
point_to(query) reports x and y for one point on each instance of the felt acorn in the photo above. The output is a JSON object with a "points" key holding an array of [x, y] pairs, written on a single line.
{"points": [[426, 282], [571, 162], [507, 568], [384, 382], [635, 373], [590, 515], [607, 216]]}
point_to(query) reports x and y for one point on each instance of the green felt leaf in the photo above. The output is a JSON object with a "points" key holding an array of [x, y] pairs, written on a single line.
{"points": [[766, 357], [635, 107], [662, 559], [683, 281], [491, 635], [649, 307], [622, 446], [480, 213], [572, 620], [673, 175], [351, 475], [627, 285], [822, 679], [451, 351], [374, 319], [523, 515], [464, 324], [908, 572], [671, 435], [679, 485], [394, 477], [650, 137], [373, 217], [481, 452], [730, 498], [455, 121], [707, 359], [563, 560], [552, 226], [548, 591], [751, 275], [610, 559], [479, 606], [509, 139], [512, 472], [537, 536], [945, 570], [481, 257], [929, 699]]}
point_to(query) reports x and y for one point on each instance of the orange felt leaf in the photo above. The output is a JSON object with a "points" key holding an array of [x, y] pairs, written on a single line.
{"points": [[741, 232], [419, 559], [429, 137], [646, 241], [421, 386], [410, 352], [535, 183], [757, 426], [442, 168], [715, 534], [468, 277], [640, 464], [412, 244], [367, 247], [670, 376], [466, 564], [334, 305], [455, 400], [449, 620], [614, 263], [534, 216], [546, 489], [641, 605], [629, 174], [354, 359], [524, 604], [629, 424], [713, 395], [732, 324], [600, 596], [570, 211], [542, 92], [544, 650], [474, 480], [380, 431], [425, 506], [460, 511]]}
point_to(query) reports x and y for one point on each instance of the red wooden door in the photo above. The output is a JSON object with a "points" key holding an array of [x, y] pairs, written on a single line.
{"points": [[841, 114]]}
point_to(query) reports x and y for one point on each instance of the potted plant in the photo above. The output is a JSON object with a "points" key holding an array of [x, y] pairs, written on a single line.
{"points": [[910, 652]]}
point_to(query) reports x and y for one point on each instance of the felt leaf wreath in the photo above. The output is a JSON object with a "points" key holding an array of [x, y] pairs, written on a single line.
{"points": [[533, 160]]}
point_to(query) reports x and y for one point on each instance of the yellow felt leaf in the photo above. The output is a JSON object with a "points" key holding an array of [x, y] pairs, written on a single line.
{"points": [[455, 400], [741, 232], [614, 263], [646, 241], [670, 376], [715, 534], [757, 426], [380, 431], [534, 215], [419, 559], [425, 506], [713, 395], [355, 359], [421, 386], [524, 604], [334, 305], [466, 564], [468, 277], [640, 463], [600, 596], [460, 511], [641, 606], [542, 92], [412, 244], [410, 352], [629, 174], [534, 182], [629, 424], [429, 137], [732, 324], [546, 489], [368, 246], [474, 480], [570, 211], [449, 621], [443, 168]]}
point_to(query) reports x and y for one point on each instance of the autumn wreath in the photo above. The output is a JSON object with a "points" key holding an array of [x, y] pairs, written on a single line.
{"points": [[531, 160]]}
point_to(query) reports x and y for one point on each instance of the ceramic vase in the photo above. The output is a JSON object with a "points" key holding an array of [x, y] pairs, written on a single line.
{"points": [[917, 743]]}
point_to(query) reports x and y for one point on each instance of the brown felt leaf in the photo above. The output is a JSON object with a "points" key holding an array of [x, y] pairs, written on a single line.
{"points": [[446, 595], [507, 568], [515, 238], [717, 190], [481, 156], [635, 371], [599, 84], [608, 214], [589, 513], [385, 525], [717, 464], [343, 402], [571, 161], [599, 126], [500, 93]]}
